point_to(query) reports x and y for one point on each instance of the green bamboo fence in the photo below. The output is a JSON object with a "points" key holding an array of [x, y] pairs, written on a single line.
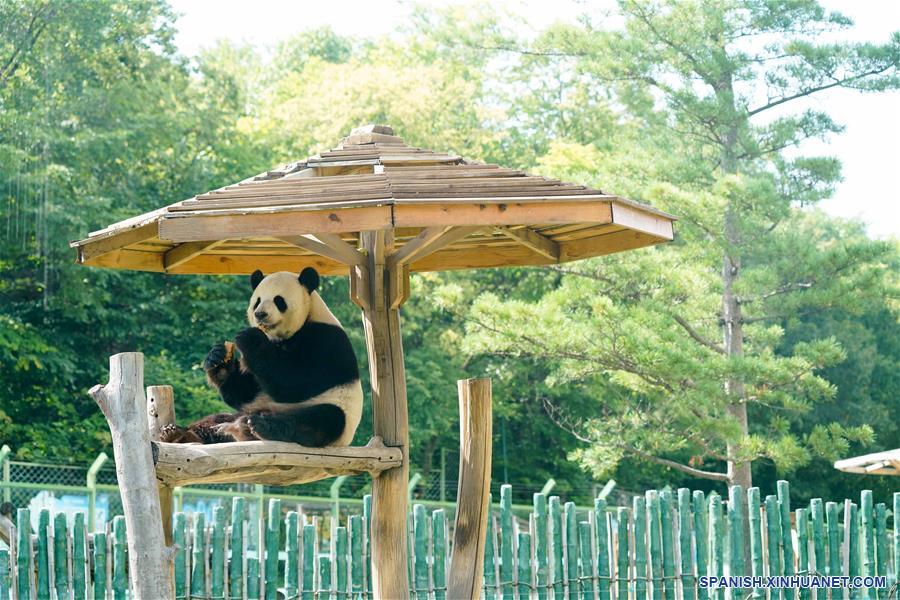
{"points": [[665, 546]]}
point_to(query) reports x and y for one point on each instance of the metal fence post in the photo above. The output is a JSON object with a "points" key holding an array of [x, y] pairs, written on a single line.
{"points": [[92, 488], [5, 451], [334, 492]]}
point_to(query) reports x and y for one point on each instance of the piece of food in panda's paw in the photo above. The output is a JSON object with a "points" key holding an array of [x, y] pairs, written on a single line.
{"points": [[249, 339], [219, 362]]}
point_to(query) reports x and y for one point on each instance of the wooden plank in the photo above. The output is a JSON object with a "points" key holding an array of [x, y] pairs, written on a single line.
{"points": [[701, 538], [335, 249], [439, 553], [654, 534], [507, 569], [199, 227], [570, 549], [340, 561], [187, 251], [129, 259], [420, 553], [818, 562], [867, 538], [736, 535], [666, 503], [533, 240], [787, 545], [754, 518], [511, 211], [802, 523], [273, 544], [774, 539], [310, 545], [688, 581], [60, 556], [100, 562], [601, 534], [430, 240], [539, 534], [236, 565], [896, 512], [881, 547], [834, 558], [43, 555], [120, 562], [523, 562], [489, 569], [557, 574], [473, 494], [217, 554], [642, 220], [80, 576], [90, 249], [623, 553], [717, 542], [292, 555], [851, 545], [198, 556], [244, 264], [602, 245], [640, 548]]}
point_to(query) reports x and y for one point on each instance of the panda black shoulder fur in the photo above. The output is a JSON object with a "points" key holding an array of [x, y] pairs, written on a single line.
{"points": [[297, 379]]}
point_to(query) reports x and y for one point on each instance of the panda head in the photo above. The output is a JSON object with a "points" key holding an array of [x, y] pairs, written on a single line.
{"points": [[281, 302]]}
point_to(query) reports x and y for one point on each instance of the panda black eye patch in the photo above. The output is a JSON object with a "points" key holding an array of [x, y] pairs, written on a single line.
{"points": [[258, 300], [280, 303]]}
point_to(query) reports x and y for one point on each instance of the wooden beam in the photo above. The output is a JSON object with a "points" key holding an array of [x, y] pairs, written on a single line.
{"points": [[391, 421], [548, 212], [272, 463], [534, 240], [430, 240], [195, 227], [244, 264], [644, 221], [90, 250], [327, 245], [473, 489], [607, 244], [182, 253]]}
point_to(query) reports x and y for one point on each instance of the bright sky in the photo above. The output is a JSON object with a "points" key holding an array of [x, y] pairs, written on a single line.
{"points": [[869, 148]]}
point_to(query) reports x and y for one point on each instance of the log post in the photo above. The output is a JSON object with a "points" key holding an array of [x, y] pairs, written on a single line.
{"points": [[123, 405], [380, 291], [475, 440], [161, 412]]}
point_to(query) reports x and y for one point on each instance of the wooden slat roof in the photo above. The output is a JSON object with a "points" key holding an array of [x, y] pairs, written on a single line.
{"points": [[879, 463], [372, 181]]}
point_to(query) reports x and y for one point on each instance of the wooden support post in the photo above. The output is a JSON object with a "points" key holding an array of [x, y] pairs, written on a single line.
{"points": [[161, 412], [123, 405], [475, 439], [372, 289]]}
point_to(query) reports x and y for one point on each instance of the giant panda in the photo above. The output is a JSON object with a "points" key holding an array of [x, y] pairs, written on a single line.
{"points": [[297, 379]]}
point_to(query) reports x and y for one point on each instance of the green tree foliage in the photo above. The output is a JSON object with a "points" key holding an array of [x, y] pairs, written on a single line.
{"points": [[101, 118], [689, 340]]}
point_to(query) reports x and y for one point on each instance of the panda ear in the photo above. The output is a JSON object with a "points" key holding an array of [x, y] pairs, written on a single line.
{"points": [[309, 278], [256, 278]]}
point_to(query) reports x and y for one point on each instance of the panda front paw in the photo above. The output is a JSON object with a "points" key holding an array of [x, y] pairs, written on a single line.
{"points": [[249, 339], [219, 362]]}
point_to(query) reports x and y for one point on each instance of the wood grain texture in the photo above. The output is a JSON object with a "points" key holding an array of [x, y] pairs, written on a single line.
{"points": [[123, 404], [390, 420], [161, 412], [270, 463], [475, 434]]}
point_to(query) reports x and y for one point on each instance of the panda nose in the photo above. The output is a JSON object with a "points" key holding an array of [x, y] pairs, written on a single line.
{"points": [[260, 315]]}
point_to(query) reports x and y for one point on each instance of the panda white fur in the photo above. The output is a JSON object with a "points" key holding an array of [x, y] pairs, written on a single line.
{"points": [[297, 379]]}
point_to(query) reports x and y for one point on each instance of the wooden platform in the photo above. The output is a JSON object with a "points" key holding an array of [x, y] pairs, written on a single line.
{"points": [[269, 463]]}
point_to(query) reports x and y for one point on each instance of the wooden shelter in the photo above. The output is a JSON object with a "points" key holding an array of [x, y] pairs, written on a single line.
{"points": [[879, 463], [374, 209]]}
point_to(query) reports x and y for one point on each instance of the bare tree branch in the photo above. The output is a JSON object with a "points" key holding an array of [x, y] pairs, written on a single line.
{"points": [[816, 89], [697, 337]]}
